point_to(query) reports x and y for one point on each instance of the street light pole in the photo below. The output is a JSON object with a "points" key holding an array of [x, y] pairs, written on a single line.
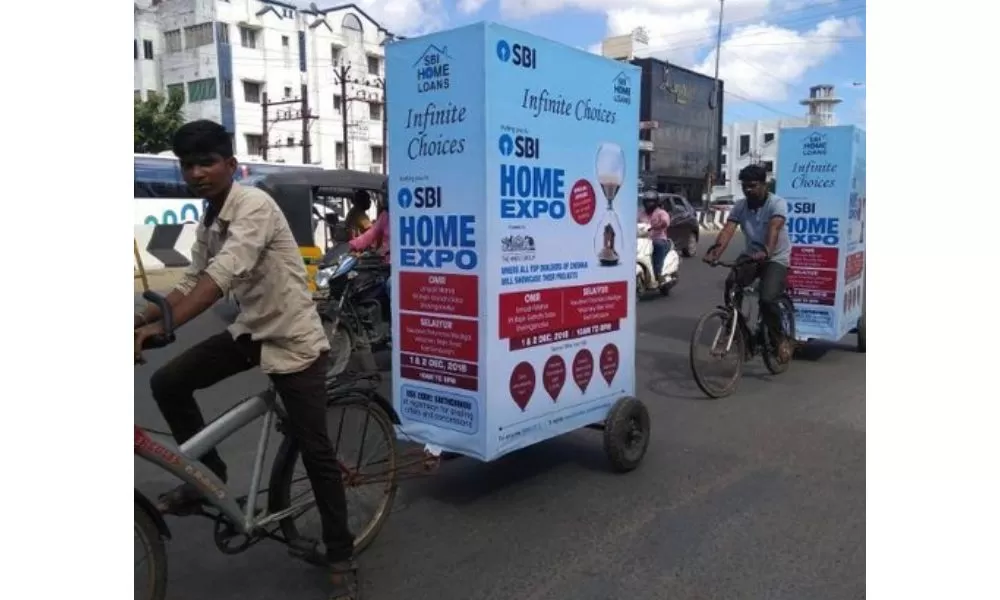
{"points": [[714, 134]]}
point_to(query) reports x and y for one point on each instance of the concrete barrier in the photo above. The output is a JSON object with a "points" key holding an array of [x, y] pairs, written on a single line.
{"points": [[169, 246], [712, 220]]}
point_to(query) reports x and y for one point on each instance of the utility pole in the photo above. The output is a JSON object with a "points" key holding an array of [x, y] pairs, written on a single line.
{"points": [[343, 76], [342, 73], [305, 125], [714, 133], [302, 114]]}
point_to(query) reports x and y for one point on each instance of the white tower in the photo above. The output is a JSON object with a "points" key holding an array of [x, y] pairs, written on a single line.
{"points": [[821, 102]]}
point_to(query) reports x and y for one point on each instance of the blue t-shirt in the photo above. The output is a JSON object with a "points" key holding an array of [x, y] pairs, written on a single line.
{"points": [[755, 224]]}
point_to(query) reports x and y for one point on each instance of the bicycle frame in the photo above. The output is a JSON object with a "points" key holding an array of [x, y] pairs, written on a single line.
{"points": [[183, 461]]}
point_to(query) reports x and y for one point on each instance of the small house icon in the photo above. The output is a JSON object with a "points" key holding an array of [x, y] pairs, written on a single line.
{"points": [[432, 50]]}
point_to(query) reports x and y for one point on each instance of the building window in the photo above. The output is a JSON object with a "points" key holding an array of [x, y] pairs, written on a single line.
{"points": [[373, 65], [198, 35], [768, 165], [222, 32], [723, 161], [147, 49], [768, 138], [744, 144], [288, 92], [227, 89], [334, 53], [289, 141], [252, 91], [376, 155], [337, 104], [338, 154], [255, 144], [351, 22], [248, 37], [725, 142], [201, 90], [135, 50], [374, 111], [172, 41], [176, 91], [284, 42]]}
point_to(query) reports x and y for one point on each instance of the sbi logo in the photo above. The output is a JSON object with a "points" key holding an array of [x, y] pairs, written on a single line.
{"points": [[520, 146], [420, 197], [518, 54]]}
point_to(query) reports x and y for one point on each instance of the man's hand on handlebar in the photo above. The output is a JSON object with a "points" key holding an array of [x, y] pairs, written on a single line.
{"points": [[759, 256], [144, 334], [712, 255]]}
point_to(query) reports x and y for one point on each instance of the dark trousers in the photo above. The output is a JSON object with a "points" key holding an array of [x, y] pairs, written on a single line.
{"points": [[660, 249], [773, 278], [304, 396]]}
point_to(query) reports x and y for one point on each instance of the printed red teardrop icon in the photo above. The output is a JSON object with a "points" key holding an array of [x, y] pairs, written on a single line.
{"points": [[554, 376], [582, 202], [522, 384], [609, 362], [583, 369]]}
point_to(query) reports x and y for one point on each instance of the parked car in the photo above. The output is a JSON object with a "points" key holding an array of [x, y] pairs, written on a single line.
{"points": [[684, 229]]}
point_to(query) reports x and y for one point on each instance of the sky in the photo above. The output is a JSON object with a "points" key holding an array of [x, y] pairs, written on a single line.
{"points": [[772, 50]]}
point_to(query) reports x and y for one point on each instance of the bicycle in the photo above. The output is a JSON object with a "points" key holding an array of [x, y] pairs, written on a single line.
{"points": [[735, 337], [239, 524]]}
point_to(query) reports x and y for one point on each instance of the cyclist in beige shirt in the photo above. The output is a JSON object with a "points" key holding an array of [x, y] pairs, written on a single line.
{"points": [[244, 248]]}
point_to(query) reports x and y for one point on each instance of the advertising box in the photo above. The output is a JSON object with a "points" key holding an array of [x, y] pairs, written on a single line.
{"points": [[512, 250], [821, 174]]}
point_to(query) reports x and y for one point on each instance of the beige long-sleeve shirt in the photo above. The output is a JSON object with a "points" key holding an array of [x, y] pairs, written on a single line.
{"points": [[250, 253]]}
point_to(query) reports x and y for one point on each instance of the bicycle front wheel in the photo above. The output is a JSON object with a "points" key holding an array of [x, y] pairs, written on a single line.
{"points": [[717, 340], [150, 559], [365, 445]]}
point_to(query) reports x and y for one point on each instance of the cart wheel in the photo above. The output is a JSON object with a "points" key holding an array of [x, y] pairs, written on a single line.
{"points": [[626, 434], [861, 334]]}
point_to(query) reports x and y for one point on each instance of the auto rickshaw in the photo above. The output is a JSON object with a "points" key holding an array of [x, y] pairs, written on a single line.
{"points": [[315, 203]]}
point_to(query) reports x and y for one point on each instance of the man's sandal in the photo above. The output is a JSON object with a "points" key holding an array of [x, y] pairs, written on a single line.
{"points": [[346, 584]]}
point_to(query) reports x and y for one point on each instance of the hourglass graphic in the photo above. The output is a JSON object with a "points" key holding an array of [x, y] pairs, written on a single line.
{"points": [[610, 175]]}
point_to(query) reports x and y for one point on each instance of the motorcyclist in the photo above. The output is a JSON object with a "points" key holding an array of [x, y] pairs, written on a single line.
{"points": [[658, 221], [761, 216], [357, 221]]}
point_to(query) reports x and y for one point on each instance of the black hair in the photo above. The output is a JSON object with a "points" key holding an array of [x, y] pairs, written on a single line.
{"points": [[753, 173], [361, 196], [202, 137]]}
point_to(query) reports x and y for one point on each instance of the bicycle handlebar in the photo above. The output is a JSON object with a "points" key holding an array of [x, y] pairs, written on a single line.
{"points": [[733, 265], [166, 317]]}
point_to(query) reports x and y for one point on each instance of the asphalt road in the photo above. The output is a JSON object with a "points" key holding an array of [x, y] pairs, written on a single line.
{"points": [[757, 496]]}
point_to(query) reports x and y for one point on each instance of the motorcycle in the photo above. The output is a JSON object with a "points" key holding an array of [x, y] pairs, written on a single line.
{"points": [[353, 304], [645, 281]]}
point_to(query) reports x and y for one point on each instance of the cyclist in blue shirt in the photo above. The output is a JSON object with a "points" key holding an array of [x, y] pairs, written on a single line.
{"points": [[761, 216]]}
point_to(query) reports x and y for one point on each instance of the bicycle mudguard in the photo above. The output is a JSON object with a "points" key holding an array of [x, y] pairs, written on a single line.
{"points": [[143, 502]]}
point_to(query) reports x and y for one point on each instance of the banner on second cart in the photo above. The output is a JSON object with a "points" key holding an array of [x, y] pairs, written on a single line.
{"points": [[514, 281], [817, 177]]}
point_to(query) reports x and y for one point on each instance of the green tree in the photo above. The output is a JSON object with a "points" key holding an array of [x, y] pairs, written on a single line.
{"points": [[156, 120]]}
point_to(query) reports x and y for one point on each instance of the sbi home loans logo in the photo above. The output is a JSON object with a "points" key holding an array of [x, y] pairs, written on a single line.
{"points": [[814, 144], [433, 69], [622, 89], [518, 55]]}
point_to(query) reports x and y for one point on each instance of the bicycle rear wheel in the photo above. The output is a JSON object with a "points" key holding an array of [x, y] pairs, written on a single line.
{"points": [[151, 559], [718, 324], [358, 428], [770, 353]]}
